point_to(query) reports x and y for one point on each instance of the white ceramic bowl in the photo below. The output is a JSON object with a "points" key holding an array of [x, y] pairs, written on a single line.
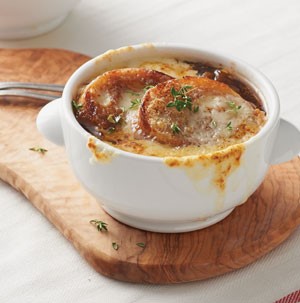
{"points": [[27, 18], [151, 193]]}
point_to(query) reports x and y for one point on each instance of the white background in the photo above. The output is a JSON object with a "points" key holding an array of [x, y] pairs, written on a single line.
{"points": [[38, 265]]}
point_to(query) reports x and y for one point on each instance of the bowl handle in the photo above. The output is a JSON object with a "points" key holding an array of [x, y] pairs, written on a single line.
{"points": [[287, 143], [48, 122]]}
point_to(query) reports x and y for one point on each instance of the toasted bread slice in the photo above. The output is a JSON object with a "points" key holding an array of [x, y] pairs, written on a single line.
{"points": [[195, 110], [102, 102]]}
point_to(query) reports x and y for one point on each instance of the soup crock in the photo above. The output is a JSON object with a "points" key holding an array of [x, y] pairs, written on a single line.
{"points": [[169, 194], [20, 19]]}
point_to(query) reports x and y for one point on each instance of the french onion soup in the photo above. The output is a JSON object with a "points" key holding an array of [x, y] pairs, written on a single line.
{"points": [[166, 107]]}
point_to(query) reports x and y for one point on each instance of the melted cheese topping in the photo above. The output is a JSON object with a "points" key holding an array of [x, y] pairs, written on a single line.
{"points": [[172, 67], [204, 112], [223, 119]]}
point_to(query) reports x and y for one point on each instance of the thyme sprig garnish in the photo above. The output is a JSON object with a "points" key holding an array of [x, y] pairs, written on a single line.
{"points": [[111, 129], [229, 126], [148, 87], [196, 109], [115, 245], [234, 107], [114, 119], [175, 128], [182, 100], [100, 225], [213, 123], [135, 103], [40, 150], [76, 105]]}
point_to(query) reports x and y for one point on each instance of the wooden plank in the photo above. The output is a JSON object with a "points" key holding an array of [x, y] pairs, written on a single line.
{"points": [[252, 230]]}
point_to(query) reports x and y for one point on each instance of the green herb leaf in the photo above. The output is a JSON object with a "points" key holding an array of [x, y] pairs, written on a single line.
{"points": [[214, 123], [233, 106], [174, 92], [114, 119], [111, 118], [181, 100], [111, 129], [141, 244], [39, 150], [115, 245], [229, 126], [181, 104], [77, 106], [148, 87], [171, 104], [196, 109], [100, 225], [135, 103], [175, 128]]}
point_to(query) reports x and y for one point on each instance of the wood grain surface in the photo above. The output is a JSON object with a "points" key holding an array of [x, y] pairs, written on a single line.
{"points": [[252, 230]]}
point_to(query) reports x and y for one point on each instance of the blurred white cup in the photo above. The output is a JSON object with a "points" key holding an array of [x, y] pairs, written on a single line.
{"points": [[27, 18]]}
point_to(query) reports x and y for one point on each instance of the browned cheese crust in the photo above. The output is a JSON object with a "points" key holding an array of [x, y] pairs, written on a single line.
{"points": [[100, 99]]}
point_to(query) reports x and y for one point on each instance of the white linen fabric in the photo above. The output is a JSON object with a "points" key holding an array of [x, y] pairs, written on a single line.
{"points": [[37, 264]]}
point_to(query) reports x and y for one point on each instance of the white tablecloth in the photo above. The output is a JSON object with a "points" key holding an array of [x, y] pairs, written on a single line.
{"points": [[38, 265]]}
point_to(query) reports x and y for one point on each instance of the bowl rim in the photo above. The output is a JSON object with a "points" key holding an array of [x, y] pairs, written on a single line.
{"points": [[273, 112]]}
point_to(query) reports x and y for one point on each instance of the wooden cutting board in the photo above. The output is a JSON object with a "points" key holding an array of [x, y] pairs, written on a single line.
{"points": [[252, 230]]}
